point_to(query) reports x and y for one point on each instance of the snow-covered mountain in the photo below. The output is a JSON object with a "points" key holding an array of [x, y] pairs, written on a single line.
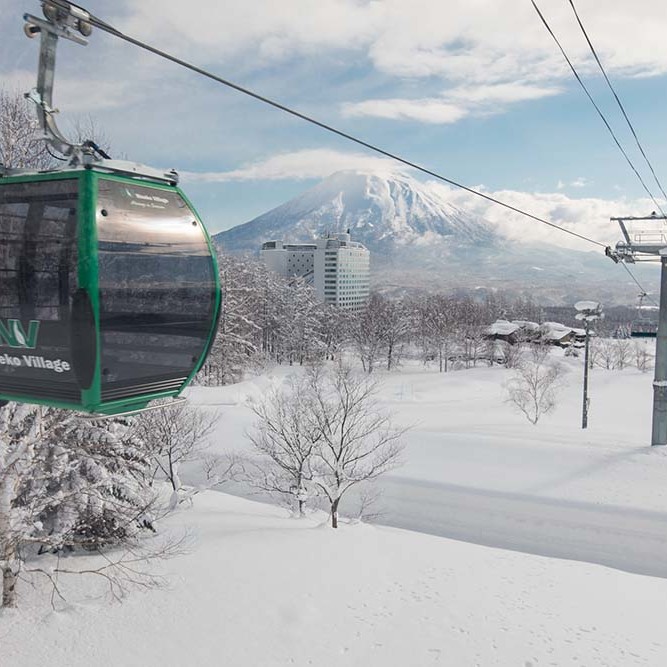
{"points": [[380, 210], [419, 240]]}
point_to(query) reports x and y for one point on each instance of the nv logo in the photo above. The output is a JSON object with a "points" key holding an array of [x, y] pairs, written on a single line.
{"points": [[13, 334]]}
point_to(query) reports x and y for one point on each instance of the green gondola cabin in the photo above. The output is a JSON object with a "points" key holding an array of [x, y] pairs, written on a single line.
{"points": [[109, 292]]}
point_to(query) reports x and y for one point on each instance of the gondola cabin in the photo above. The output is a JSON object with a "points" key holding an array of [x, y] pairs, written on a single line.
{"points": [[109, 293], [644, 329]]}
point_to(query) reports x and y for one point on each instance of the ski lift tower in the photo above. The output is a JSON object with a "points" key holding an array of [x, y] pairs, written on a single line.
{"points": [[645, 240]]}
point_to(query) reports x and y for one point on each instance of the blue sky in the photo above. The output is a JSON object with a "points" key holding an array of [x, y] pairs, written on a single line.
{"points": [[474, 89]]}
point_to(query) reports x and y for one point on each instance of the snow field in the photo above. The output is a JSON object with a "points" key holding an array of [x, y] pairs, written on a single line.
{"points": [[259, 588]]}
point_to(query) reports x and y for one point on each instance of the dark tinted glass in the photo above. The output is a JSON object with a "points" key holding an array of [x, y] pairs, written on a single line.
{"points": [[38, 278], [157, 288]]}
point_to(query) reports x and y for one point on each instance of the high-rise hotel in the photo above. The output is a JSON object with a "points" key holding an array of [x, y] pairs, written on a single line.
{"points": [[337, 267]]}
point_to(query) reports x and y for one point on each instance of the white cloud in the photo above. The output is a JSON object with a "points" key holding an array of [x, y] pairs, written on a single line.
{"points": [[587, 216], [490, 54], [488, 41], [503, 93], [453, 105], [424, 110], [298, 165], [78, 95], [579, 182]]}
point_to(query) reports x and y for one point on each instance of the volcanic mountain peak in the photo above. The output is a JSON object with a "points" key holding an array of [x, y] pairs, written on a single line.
{"points": [[379, 209]]}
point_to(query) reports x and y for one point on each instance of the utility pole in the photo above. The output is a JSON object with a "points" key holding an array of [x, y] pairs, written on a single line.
{"points": [[587, 311], [584, 411], [650, 243]]}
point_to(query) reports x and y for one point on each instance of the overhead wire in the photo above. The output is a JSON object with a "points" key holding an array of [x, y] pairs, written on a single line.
{"points": [[597, 108], [98, 23], [102, 25], [641, 287], [617, 98]]}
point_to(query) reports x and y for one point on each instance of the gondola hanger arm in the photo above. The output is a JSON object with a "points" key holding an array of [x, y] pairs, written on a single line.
{"points": [[67, 21]]}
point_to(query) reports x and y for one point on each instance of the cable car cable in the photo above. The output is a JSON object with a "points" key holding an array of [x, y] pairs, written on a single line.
{"points": [[618, 101], [597, 108], [198, 70], [98, 23], [641, 287]]}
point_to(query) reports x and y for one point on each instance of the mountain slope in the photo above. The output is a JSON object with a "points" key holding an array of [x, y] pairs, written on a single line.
{"points": [[381, 211]]}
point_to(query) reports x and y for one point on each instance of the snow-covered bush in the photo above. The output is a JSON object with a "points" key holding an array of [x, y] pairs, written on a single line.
{"points": [[66, 482], [173, 435], [533, 388], [642, 357]]}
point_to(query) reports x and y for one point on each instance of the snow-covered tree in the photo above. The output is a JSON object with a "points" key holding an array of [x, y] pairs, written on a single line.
{"points": [[395, 316], [623, 352], [66, 483], [368, 332], [19, 433], [438, 319], [534, 386], [603, 352], [357, 440], [173, 435], [642, 357], [238, 337], [335, 330], [21, 143], [298, 323], [92, 481], [286, 437]]}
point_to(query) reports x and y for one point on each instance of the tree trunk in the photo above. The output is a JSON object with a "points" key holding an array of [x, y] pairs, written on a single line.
{"points": [[8, 577], [173, 474], [334, 513], [7, 549]]}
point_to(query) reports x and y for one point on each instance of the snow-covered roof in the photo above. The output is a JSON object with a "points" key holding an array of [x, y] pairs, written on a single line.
{"points": [[503, 328], [555, 330], [527, 325]]}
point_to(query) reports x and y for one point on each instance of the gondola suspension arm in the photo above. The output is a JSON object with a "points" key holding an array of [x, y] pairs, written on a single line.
{"points": [[68, 21]]}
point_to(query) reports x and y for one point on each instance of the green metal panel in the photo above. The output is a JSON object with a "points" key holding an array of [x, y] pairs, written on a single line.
{"points": [[88, 273], [41, 176]]}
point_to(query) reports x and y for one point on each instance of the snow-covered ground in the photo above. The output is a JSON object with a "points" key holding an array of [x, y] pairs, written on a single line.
{"points": [[259, 588], [476, 470]]}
